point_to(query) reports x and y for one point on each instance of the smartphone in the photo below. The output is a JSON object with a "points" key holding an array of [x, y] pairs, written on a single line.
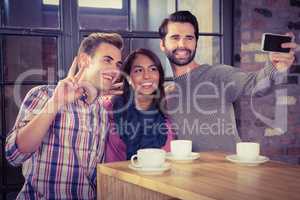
{"points": [[272, 42]]}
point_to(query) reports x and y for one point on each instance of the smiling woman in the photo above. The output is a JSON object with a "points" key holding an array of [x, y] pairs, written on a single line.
{"points": [[144, 75], [137, 118]]}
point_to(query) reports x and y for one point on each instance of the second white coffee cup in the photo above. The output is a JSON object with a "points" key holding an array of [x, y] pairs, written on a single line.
{"points": [[248, 151], [181, 148], [149, 158]]}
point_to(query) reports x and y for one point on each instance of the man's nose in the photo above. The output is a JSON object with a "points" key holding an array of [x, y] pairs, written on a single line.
{"points": [[114, 70], [181, 43], [115, 66]]}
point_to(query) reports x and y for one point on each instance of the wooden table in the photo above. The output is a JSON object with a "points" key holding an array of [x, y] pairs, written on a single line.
{"points": [[210, 177]]}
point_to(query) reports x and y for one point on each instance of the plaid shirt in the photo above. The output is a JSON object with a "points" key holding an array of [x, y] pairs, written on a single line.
{"points": [[64, 166]]}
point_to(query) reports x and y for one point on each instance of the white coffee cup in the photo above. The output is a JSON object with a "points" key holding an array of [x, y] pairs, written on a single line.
{"points": [[181, 148], [248, 151], [149, 158]]}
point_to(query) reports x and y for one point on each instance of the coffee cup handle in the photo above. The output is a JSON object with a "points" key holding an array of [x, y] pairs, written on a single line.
{"points": [[133, 162]]}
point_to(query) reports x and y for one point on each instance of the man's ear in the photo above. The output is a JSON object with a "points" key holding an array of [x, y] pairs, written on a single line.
{"points": [[84, 60], [162, 46]]}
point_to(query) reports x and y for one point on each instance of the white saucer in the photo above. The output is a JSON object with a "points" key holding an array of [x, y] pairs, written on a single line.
{"points": [[151, 171], [190, 158], [234, 158]]}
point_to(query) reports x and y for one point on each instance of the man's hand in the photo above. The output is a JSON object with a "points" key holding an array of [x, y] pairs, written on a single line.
{"points": [[283, 61], [116, 89], [68, 89]]}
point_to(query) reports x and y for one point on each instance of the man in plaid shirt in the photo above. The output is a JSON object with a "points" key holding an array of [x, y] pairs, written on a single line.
{"points": [[60, 131]]}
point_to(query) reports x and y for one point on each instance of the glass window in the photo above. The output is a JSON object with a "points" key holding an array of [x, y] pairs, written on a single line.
{"points": [[126, 48], [1, 156], [103, 15], [31, 13], [51, 2], [30, 58], [1, 126], [2, 140], [12, 195], [208, 50], [153, 44], [147, 15], [14, 175], [115, 4], [14, 96], [1, 168], [206, 11]]}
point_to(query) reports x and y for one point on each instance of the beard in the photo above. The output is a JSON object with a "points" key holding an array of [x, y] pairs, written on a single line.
{"points": [[171, 54]]}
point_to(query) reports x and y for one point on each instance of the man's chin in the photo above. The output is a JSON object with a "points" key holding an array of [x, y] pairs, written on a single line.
{"points": [[180, 63]]}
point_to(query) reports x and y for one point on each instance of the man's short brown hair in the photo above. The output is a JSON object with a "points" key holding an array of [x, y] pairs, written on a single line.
{"points": [[182, 16], [91, 42]]}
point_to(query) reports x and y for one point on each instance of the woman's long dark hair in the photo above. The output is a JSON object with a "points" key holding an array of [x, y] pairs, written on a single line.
{"points": [[159, 97]]}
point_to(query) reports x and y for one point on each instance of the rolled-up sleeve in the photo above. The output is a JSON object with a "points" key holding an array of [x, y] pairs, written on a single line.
{"points": [[31, 106], [13, 155]]}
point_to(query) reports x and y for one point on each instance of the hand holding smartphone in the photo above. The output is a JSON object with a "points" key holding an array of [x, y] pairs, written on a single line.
{"points": [[272, 42]]}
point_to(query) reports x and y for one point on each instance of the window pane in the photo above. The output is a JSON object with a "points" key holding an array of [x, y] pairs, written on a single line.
{"points": [[14, 95], [1, 127], [153, 44], [30, 58], [147, 15], [206, 11], [31, 13], [14, 175], [103, 15], [208, 50], [12, 195], [1, 141], [115, 4], [1, 168], [126, 48]]}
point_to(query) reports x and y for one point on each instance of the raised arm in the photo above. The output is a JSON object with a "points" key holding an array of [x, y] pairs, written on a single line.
{"points": [[238, 83], [38, 112]]}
